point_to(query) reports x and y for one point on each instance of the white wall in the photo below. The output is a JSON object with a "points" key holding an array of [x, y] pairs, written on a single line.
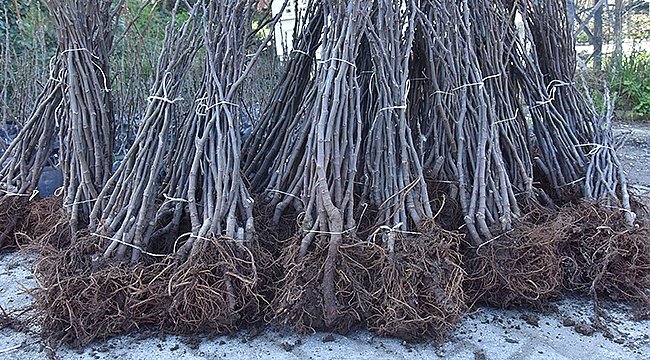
{"points": [[284, 28]]}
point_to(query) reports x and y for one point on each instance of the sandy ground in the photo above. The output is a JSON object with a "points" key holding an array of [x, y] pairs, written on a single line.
{"points": [[561, 332], [635, 152]]}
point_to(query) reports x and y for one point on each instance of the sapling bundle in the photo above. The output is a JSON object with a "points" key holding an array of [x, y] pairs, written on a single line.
{"points": [[605, 178], [85, 34], [205, 170], [76, 103], [468, 112], [315, 174], [432, 107], [126, 208], [264, 143], [23, 161], [216, 261], [21, 165], [475, 142], [553, 45], [392, 166], [419, 288], [526, 266], [493, 39], [573, 142], [543, 67], [205, 279]]}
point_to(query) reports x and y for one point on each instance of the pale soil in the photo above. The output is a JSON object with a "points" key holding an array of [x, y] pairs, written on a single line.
{"points": [[635, 153], [563, 332]]}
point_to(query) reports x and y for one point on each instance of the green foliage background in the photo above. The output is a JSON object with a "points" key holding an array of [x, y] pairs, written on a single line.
{"points": [[632, 83]]}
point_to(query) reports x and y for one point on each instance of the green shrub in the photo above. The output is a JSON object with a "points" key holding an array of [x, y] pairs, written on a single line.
{"points": [[632, 83]]}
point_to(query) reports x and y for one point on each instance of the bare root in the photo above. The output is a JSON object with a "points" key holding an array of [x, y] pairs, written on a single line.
{"points": [[299, 301], [12, 210], [83, 297], [420, 292]]}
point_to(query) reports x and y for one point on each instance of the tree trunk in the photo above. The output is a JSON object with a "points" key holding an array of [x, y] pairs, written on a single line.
{"points": [[598, 35]]}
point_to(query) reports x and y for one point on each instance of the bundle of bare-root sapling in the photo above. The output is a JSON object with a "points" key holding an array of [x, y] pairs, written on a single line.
{"points": [[215, 283], [543, 67], [275, 124], [85, 34], [462, 137], [420, 287], [125, 212], [475, 140], [531, 263], [84, 119], [609, 256], [76, 102], [21, 165], [210, 287], [603, 177], [519, 266], [327, 271]]}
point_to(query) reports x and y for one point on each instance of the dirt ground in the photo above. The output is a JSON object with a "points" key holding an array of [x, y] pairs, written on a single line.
{"points": [[564, 331], [635, 153]]}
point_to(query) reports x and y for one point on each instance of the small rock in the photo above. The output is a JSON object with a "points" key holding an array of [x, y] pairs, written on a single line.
{"points": [[255, 332], [328, 338], [512, 341], [567, 321], [480, 355], [532, 320], [287, 346], [584, 329], [193, 342]]}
